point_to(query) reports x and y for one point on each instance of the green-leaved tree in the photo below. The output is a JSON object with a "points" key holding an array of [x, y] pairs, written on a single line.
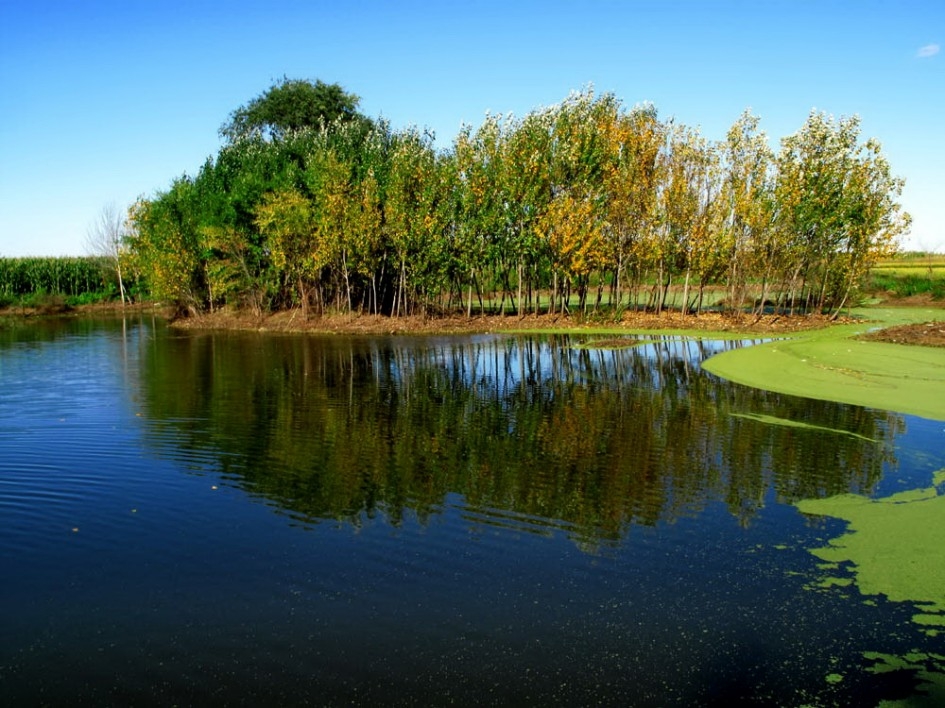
{"points": [[292, 104]]}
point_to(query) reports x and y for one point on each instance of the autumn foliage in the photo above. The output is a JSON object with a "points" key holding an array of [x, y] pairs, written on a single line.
{"points": [[584, 205]]}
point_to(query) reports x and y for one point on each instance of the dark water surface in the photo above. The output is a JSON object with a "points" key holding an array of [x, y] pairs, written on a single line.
{"points": [[277, 520]]}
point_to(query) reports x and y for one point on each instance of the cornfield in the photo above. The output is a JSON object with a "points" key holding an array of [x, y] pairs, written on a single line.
{"points": [[67, 276]]}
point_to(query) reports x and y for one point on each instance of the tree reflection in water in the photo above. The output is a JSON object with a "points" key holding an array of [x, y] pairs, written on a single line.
{"points": [[534, 430]]}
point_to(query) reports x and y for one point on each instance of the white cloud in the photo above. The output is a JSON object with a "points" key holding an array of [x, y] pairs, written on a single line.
{"points": [[929, 50]]}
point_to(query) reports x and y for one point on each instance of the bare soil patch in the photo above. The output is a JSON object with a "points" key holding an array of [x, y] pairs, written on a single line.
{"points": [[920, 300], [926, 334]]}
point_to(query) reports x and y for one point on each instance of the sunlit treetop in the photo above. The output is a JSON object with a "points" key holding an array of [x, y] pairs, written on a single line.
{"points": [[292, 104]]}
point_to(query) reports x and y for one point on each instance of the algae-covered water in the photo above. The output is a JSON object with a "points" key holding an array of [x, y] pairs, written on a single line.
{"points": [[834, 364], [492, 520]]}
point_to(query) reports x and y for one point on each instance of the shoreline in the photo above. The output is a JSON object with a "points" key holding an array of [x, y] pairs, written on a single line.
{"points": [[891, 358], [705, 324], [869, 358]]}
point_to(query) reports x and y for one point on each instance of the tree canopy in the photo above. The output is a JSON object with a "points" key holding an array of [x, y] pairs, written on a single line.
{"points": [[543, 213], [292, 104]]}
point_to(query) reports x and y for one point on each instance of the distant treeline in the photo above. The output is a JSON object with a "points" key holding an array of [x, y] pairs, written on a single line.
{"points": [[577, 205]]}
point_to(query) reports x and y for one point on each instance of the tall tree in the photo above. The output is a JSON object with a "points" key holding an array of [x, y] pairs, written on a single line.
{"points": [[632, 176], [327, 177], [291, 104], [164, 238], [527, 193], [874, 220], [480, 201], [838, 201], [752, 244], [689, 204], [285, 218], [571, 226]]}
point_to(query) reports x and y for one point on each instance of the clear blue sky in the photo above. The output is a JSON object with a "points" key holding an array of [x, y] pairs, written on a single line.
{"points": [[104, 101]]}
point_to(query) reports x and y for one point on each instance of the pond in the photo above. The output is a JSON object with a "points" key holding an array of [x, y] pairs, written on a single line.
{"points": [[242, 518]]}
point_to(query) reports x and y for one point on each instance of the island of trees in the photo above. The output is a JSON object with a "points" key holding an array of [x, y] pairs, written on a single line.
{"points": [[583, 205]]}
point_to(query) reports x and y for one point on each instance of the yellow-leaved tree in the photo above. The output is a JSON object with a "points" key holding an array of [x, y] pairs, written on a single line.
{"points": [[285, 218]]}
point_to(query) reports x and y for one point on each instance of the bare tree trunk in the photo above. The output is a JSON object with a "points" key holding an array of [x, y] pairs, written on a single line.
{"points": [[554, 290], [121, 283], [344, 267], [303, 294], [521, 303]]}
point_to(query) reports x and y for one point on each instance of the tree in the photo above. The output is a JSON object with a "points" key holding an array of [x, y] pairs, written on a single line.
{"points": [[689, 205], [525, 176], [285, 218], [364, 240], [571, 226], [873, 223], [838, 202], [105, 238], [328, 179], [292, 104], [414, 216], [164, 240], [478, 198], [631, 181], [753, 246]]}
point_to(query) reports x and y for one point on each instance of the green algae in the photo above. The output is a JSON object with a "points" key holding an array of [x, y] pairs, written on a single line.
{"points": [[614, 343], [831, 582], [788, 423], [929, 669], [831, 364], [894, 547], [934, 620]]}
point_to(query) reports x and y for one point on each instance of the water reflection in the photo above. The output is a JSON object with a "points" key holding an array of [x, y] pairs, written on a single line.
{"points": [[517, 455], [531, 431]]}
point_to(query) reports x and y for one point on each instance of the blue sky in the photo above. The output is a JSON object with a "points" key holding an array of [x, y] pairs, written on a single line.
{"points": [[101, 102]]}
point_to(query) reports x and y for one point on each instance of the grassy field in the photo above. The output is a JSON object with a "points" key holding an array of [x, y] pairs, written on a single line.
{"points": [[910, 274], [929, 264]]}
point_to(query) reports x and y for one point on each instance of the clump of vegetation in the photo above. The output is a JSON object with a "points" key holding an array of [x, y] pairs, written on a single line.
{"points": [[582, 205]]}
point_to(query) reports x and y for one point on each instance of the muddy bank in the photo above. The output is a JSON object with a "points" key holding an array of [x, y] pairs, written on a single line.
{"points": [[294, 321], [925, 334]]}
